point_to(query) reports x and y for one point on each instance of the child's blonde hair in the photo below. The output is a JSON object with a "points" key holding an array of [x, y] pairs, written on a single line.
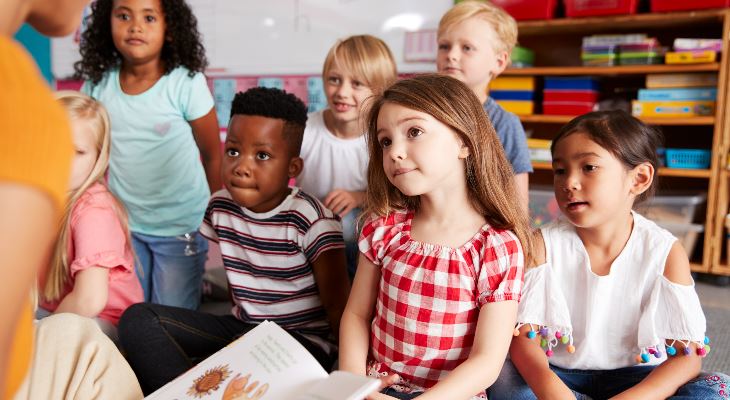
{"points": [[367, 57], [81, 107], [503, 24], [490, 180]]}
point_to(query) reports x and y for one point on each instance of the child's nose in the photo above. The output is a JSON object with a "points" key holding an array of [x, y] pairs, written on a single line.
{"points": [[453, 53], [398, 151], [343, 91], [242, 169]]}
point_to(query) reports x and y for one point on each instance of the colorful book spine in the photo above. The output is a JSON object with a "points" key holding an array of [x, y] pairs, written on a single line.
{"points": [[672, 108], [708, 94]]}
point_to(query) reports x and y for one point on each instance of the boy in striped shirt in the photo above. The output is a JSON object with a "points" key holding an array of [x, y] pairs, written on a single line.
{"points": [[282, 251]]}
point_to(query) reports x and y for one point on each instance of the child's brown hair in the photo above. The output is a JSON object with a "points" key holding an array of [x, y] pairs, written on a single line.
{"points": [[490, 180]]}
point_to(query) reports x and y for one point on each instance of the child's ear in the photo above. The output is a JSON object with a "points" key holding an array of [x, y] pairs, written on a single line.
{"points": [[643, 176], [296, 164], [503, 59], [464, 152]]}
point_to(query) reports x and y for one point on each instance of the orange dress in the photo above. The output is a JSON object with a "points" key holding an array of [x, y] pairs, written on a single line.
{"points": [[35, 150]]}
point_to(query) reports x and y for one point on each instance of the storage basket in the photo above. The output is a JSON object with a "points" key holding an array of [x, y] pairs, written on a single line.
{"points": [[688, 158]]}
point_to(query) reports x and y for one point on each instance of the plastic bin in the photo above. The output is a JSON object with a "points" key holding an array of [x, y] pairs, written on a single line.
{"points": [[528, 9], [687, 158], [673, 209], [543, 206], [678, 5], [591, 8], [686, 233]]}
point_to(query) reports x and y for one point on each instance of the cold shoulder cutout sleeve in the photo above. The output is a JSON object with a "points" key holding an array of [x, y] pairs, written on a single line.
{"points": [[673, 313], [543, 307]]}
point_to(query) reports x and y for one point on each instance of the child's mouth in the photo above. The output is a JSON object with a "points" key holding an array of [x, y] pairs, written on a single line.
{"points": [[339, 107], [576, 205]]}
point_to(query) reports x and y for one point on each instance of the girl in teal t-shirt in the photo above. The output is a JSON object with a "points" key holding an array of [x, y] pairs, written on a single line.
{"points": [[143, 59]]}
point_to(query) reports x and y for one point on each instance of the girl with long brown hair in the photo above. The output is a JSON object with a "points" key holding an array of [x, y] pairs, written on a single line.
{"points": [[435, 295]]}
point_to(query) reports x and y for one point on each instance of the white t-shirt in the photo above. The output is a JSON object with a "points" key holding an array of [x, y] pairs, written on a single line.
{"points": [[613, 318], [331, 162]]}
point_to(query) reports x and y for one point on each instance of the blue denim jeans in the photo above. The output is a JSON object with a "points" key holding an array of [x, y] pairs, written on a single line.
{"points": [[603, 384], [170, 269]]}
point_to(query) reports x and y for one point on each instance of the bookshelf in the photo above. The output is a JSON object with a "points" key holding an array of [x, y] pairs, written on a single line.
{"points": [[557, 45]]}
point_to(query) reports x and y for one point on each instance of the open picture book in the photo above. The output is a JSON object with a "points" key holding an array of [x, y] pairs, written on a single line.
{"points": [[268, 364]]}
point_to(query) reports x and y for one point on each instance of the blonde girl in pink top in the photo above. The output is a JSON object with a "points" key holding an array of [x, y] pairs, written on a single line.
{"points": [[92, 270]]}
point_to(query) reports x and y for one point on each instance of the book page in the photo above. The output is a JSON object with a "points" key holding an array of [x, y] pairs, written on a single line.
{"points": [[342, 386], [266, 363]]}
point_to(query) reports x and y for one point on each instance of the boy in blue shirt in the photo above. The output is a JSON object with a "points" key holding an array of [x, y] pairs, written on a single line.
{"points": [[475, 39]]}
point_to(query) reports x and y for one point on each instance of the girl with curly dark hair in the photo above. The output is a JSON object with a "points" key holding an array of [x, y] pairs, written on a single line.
{"points": [[143, 59]]}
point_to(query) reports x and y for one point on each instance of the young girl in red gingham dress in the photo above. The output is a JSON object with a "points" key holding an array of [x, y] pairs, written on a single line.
{"points": [[434, 300]]}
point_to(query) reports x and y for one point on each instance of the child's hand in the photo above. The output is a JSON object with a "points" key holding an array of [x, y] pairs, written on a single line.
{"points": [[342, 202], [385, 382]]}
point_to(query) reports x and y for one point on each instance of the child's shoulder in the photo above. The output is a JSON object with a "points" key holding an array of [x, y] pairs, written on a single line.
{"points": [[309, 207], [95, 195], [649, 232], [499, 116], [392, 219]]}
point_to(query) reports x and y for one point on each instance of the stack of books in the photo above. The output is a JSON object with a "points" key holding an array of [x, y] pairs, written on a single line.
{"points": [[569, 96], [677, 96], [514, 93]]}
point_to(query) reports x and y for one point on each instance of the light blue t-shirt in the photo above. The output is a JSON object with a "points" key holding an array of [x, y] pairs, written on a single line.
{"points": [[155, 166], [511, 134]]}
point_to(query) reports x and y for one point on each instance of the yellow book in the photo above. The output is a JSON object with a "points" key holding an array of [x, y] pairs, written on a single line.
{"points": [[672, 109], [538, 143], [513, 83], [519, 107], [690, 57]]}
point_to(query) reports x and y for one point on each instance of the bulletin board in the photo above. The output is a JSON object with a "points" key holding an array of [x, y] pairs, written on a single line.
{"points": [[282, 37]]}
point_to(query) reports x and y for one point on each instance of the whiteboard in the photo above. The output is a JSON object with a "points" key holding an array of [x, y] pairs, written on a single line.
{"points": [[280, 37]]}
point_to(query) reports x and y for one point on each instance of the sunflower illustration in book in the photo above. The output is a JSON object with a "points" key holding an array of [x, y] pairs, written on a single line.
{"points": [[209, 381], [241, 388]]}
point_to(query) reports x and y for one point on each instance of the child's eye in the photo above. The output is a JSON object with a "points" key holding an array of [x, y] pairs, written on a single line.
{"points": [[333, 80], [232, 153], [357, 84], [80, 152], [123, 16], [443, 46], [385, 142], [558, 171], [150, 18], [468, 48], [414, 132], [262, 156], [590, 167]]}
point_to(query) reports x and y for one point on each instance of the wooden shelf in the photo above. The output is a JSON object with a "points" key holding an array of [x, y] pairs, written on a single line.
{"points": [[617, 70], [564, 119], [682, 173], [620, 22]]}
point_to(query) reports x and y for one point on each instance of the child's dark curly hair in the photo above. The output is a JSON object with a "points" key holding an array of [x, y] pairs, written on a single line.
{"points": [[277, 104], [99, 55]]}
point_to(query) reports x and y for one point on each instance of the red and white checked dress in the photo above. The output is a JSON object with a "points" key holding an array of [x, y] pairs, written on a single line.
{"points": [[430, 295]]}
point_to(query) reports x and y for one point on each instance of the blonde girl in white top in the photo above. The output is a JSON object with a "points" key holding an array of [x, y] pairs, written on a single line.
{"points": [[334, 147], [610, 310]]}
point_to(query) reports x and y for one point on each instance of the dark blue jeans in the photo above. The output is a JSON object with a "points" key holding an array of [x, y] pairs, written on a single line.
{"points": [[603, 384], [162, 342]]}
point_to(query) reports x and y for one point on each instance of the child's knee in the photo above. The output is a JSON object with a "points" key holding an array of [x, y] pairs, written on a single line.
{"points": [[138, 318]]}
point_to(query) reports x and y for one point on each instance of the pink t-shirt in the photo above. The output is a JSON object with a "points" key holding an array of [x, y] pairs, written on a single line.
{"points": [[98, 240]]}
